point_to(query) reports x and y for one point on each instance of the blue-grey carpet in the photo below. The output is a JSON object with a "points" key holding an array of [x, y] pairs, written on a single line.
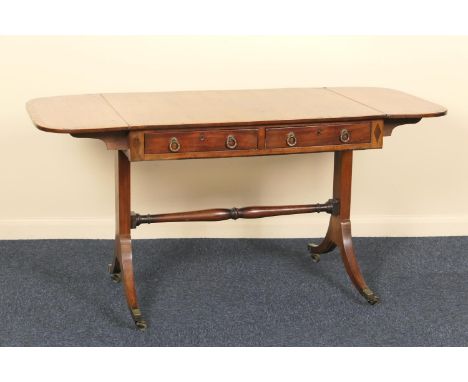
{"points": [[227, 292]]}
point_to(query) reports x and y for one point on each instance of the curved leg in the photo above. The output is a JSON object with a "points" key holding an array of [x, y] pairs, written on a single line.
{"points": [[345, 243], [122, 266], [124, 254], [327, 245], [339, 228]]}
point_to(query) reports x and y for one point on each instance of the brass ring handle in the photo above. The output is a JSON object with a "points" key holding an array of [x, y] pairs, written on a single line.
{"points": [[291, 139], [345, 136], [174, 145], [231, 142]]}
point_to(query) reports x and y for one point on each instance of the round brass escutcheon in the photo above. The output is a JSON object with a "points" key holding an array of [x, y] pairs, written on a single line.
{"points": [[345, 136], [174, 145], [291, 139], [231, 142]]}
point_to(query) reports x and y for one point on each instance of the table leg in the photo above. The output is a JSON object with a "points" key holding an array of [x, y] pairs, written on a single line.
{"points": [[327, 245], [339, 229], [122, 266]]}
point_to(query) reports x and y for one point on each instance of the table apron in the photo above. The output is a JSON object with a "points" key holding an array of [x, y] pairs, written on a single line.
{"points": [[169, 144]]}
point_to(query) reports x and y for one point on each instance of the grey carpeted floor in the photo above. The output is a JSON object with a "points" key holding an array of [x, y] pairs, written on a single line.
{"points": [[213, 292]]}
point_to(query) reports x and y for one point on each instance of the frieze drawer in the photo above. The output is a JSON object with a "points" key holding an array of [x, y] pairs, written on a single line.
{"points": [[318, 135], [200, 140]]}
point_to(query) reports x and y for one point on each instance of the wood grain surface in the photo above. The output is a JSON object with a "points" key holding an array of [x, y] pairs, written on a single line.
{"points": [[132, 111], [76, 113], [394, 104]]}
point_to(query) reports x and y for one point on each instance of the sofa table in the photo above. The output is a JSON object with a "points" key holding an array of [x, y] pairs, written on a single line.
{"points": [[234, 123]]}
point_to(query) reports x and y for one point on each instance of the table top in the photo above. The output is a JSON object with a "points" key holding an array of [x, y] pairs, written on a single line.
{"points": [[88, 113]]}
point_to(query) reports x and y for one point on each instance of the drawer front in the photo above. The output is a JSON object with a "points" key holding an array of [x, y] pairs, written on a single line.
{"points": [[318, 135], [197, 141]]}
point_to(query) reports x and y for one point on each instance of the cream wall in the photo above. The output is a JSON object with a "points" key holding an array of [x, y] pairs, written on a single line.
{"points": [[55, 186]]}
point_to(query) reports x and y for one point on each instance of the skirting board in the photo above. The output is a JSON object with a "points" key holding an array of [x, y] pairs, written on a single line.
{"points": [[277, 227]]}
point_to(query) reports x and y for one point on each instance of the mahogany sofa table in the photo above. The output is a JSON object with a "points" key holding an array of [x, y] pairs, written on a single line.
{"points": [[234, 123]]}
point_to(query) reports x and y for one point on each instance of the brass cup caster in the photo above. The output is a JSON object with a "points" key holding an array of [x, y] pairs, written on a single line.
{"points": [[138, 319], [141, 325], [370, 296], [115, 277], [315, 257]]}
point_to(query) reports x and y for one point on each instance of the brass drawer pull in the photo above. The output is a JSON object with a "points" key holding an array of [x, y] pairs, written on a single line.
{"points": [[231, 142], [291, 140], [174, 145], [345, 136]]}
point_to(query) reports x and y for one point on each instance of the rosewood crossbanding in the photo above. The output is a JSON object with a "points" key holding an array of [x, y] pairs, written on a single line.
{"points": [[234, 123]]}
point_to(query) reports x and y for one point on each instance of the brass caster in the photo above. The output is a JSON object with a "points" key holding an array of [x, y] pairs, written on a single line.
{"points": [[370, 296], [138, 319], [115, 277], [141, 325], [315, 257]]}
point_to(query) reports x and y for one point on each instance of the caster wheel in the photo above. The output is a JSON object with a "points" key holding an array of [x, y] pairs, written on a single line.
{"points": [[115, 277], [315, 257], [138, 319], [370, 296], [141, 325], [373, 300]]}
